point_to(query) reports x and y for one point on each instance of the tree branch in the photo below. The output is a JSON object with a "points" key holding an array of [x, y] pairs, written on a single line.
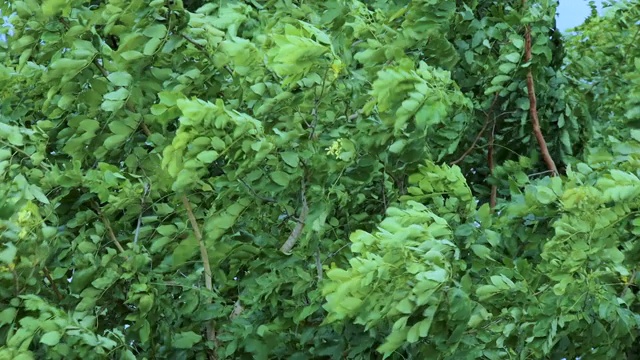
{"points": [[211, 331], [318, 265], [484, 127], [47, 274], [491, 160], [107, 225], [297, 230], [533, 105]]}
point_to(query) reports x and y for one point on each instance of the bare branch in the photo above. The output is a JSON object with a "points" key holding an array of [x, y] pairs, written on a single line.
{"points": [[318, 265], [297, 230], [533, 110], [491, 160]]}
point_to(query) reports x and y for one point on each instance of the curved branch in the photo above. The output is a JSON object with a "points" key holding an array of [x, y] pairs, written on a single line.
{"points": [[544, 150], [297, 230]]}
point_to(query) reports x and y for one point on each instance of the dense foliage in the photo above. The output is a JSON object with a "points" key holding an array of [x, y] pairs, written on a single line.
{"points": [[337, 179]]}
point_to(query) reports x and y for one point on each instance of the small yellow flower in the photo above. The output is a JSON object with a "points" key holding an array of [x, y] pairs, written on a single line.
{"points": [[335, 149]]}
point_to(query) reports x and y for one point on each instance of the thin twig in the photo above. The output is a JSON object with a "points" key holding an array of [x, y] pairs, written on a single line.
{"points": [[544, 150], [297, 230], [199, 46], [484, 127], [254, 193], [44, 166], [337, 251], [318, 265], [145, 129], [104, 71], [211, 331], [384, 192], [16, 280], [107, 225], [147, 188], [491, 160], [539, 173], [47, 274]]}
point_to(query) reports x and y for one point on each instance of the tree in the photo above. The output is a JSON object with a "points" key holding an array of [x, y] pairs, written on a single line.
{"points": [[343, 179]]}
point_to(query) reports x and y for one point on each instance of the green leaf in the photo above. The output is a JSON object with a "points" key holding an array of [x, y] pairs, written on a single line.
{"points": [[8, 315], [8, 254], [481, 251], [290, 158], [185, 340], [545, 195], [146, 303], [38, 194], [184, 251], [405, 306], [438, 275], [280, 177], [120, 94], [155, 31], [500, 79], [114, 141], [120, 78], [513, 57], [111, 105], [414, 334], [52, 7], [486, 291], [120, 128], [151, 46], [51, 338], [208, 156], [167, 230], [132, 55], [397, 146], [506, 68]]}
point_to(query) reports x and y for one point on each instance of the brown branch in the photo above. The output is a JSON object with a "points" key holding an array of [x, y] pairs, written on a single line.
{"points": [[491, 161], [145, 129], [47, 274], [107, 225], [297, 230], [195, 43], [533, 105], [104, 71], [211, 330], [484, 127]]}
